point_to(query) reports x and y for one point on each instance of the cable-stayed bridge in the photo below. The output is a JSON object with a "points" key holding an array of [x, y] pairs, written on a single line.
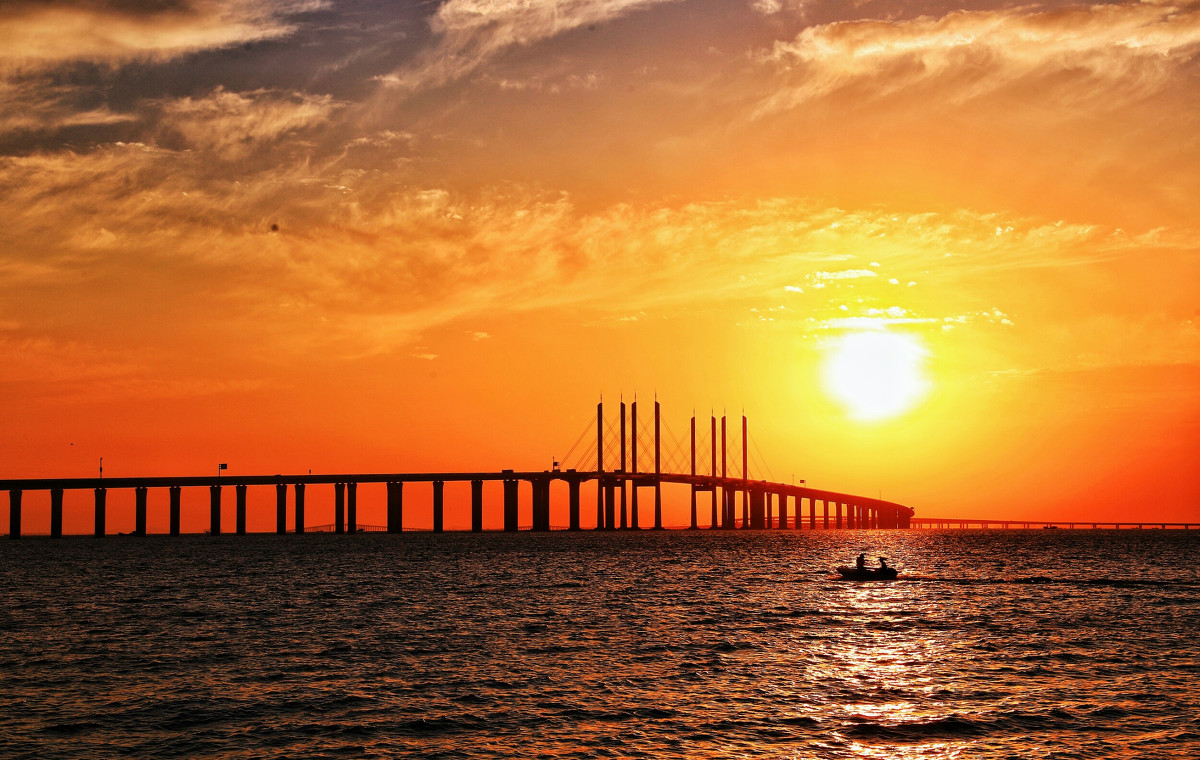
{"points": [[625, 458]]}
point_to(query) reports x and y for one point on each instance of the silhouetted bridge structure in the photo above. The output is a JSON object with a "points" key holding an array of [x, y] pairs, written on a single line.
{"points": [[955, 523], [765, 503]]}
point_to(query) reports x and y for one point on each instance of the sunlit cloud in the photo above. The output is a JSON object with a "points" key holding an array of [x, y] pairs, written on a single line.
{"points": [[39, 34], [1133, 49], [233, 124], [470, 32]]}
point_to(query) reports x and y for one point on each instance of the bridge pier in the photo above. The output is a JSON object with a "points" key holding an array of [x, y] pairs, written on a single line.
{"points": [[56, 499], [299, 507], [610, 506], [757, 509], [14, 513], [510, 505], [477, 506], [712, 494], [352, 507], [101, 498], [281, 508], [240, 509], [438, 505], [634, 518], [395, 506], [214, 510], [541, 504], [770, 512], [825, 516], [339, 508], [812, 514], [573, 503], [783, 515], [139, 511], [173, 510], [624, 503]]}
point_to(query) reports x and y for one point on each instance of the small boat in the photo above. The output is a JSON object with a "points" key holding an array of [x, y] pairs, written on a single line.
{"points": [[868, 573]]}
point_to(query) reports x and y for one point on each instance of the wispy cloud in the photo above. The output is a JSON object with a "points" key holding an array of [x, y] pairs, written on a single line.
{"points": [[232, 124], [1131, 48], [40, 34], [470, 32]]}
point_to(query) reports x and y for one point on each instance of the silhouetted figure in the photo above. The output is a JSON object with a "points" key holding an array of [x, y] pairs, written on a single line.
{"points": [[883, 564], [861, 562]]}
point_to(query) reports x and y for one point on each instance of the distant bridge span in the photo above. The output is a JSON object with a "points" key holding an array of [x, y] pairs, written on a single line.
{"points": [[764, 502]]}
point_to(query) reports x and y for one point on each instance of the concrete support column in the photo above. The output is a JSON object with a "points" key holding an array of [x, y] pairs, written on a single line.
{"points": [[240, 509], [395, 506], [695, 522], [56, 497], [573, 502], [510, 505], [299, 508], [770, 510], [438, 505], [352, 507], [746, 508], [477, 506], [339, 507], [812, 514], [101, 497], [175, 492], [758, 512], [214, 510], [838, 506], [281, 508], [714, 521], [139, 511], [624, 499], [610, 506], [850, 516], [658, 505], [783, 517], [599, 470], [14, 513], [825, 524], [541, 504], [634, 520]]}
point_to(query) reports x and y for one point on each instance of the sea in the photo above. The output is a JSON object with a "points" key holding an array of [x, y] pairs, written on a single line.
{"points": [[698, 644]]}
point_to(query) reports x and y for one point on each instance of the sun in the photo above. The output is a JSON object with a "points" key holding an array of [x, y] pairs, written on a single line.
{"points": [[876, 374]]}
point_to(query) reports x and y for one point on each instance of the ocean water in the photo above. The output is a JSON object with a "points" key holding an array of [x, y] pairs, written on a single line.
{"points": [[996, 644]]}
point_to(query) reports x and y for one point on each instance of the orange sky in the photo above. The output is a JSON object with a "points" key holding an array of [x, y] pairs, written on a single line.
{"points": [[356, 236]]}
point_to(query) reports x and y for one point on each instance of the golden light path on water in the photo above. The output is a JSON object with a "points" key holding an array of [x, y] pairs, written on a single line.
{"points": [[896, 665]]}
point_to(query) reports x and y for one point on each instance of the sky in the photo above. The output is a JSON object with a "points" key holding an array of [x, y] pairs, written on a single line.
{"points": [[294, 235]]}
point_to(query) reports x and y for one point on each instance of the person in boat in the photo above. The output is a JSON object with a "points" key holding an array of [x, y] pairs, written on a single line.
{"points": [[883, 565], [861, 562]]}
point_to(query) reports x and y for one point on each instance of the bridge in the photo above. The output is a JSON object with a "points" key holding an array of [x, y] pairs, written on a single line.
{"points": [[952, 523], [620, 473]]}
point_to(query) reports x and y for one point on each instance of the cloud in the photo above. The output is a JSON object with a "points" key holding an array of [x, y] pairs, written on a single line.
{"points": [[1133, 48], [39, 35], [232, 124], [471, 32]]}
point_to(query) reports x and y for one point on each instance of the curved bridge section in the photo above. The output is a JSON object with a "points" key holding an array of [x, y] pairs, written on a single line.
{"points": [[763, 504], [620, 476]]}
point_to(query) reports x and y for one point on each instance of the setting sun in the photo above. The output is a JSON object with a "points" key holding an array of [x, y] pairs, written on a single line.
{"points": [[876, 375]]}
